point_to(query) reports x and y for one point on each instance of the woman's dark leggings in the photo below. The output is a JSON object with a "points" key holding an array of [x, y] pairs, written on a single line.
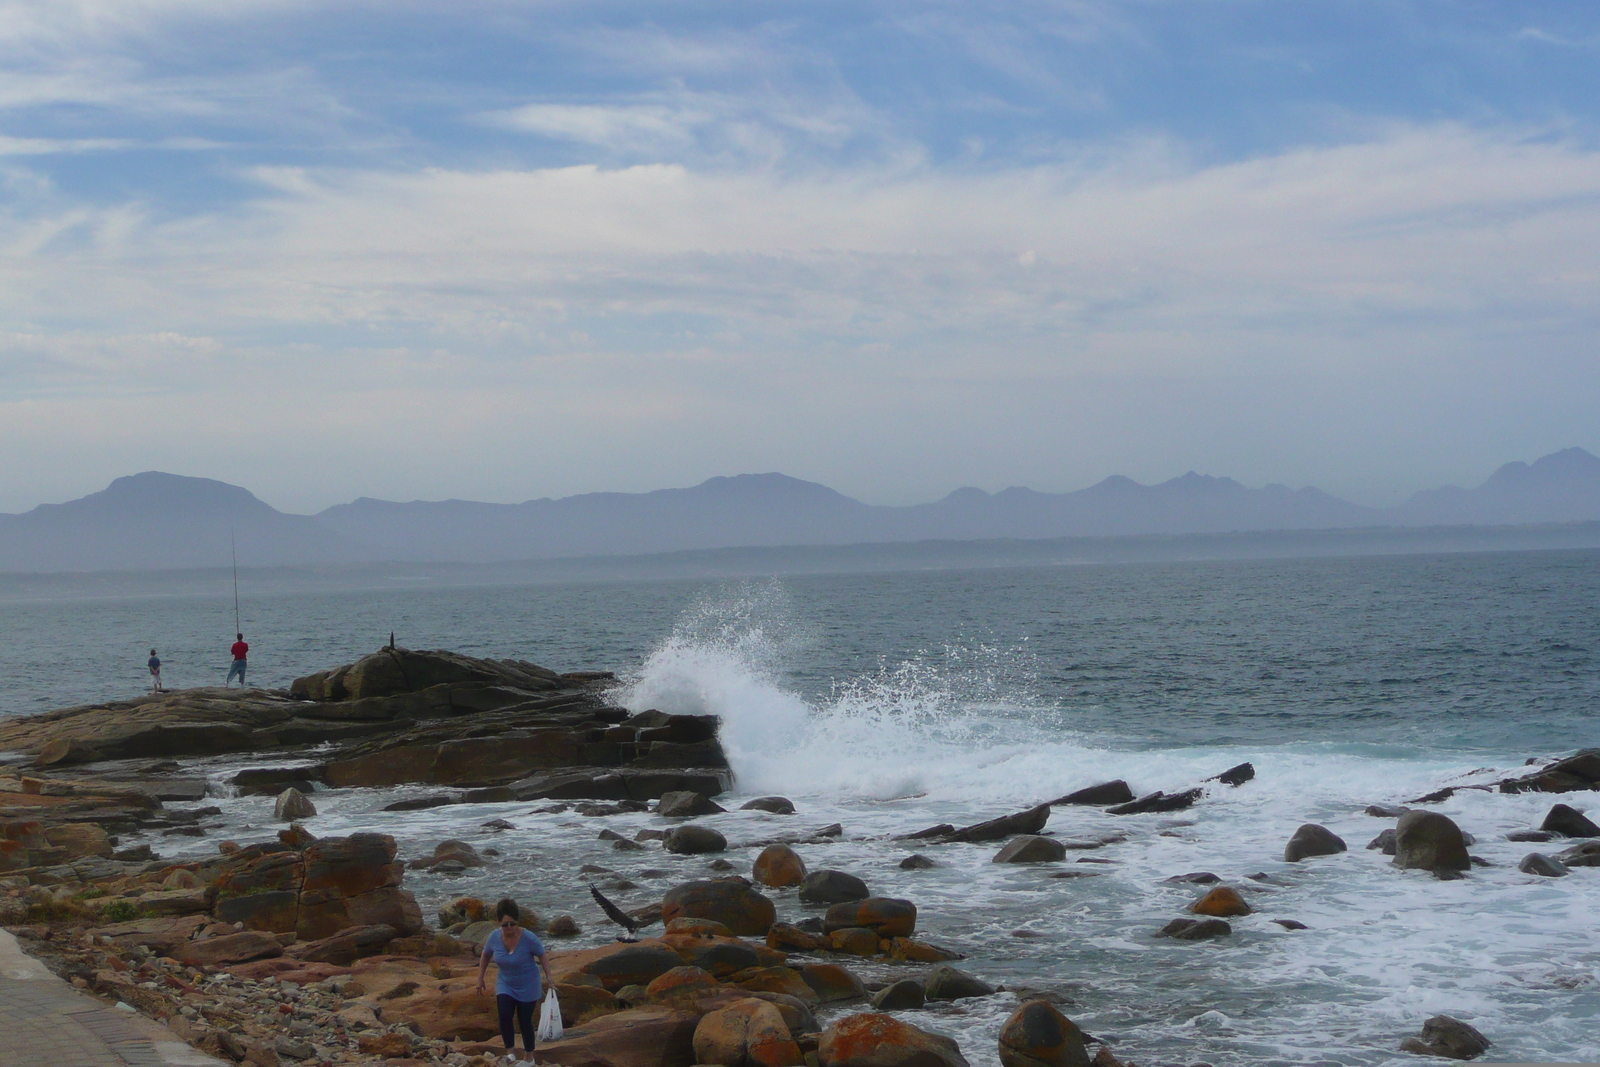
{"points": [[524, 1012]]}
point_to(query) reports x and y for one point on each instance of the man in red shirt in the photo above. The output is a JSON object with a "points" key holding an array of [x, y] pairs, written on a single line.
{"points": [[240, 651]]}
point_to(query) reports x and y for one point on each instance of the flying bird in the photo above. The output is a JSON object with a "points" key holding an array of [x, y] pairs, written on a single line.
{"points": [[616, 914]]}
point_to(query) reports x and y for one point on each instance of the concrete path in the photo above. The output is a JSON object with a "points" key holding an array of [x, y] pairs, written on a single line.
{"points": [[45, 1021]]}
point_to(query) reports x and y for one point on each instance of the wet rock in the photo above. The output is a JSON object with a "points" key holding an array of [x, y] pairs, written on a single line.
{"points": [[1427, 840], [786, 938], [720, 865], [1235, 776], [1540, 864], [1447, 1037], [1022, 822], [693, 840], [916, 862], [1031, 849], [943, 829], [876, 1040], [1038, 1035], [293, 805], [729, 901], [422, 803], [1586, 854], [1223, 902], [832, 887], [1312, 840], [498, 824], [1534, 836], [1102, 795], [1584, 765], [911, 950], [1569, 822], [1291, 924], [1194, 878], [831, 982], [885, 916], [686, 804], [1386, 811], [775, 981], [945, 982], [853, 940], [1158, 802], [1195, 929], [722, 956], [770, 805], [748, 1033], [779, 866], [449, 852], [903, 995], [1384, 842]]}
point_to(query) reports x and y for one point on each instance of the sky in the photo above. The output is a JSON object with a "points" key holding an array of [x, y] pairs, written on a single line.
{"points": [[506, 250]]}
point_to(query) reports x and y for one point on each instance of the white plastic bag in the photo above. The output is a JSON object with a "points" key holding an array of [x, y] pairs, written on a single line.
{"points": [[550, 1017]]}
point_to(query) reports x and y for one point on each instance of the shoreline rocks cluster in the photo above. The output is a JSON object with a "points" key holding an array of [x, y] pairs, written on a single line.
{"points": [[299, 950]]}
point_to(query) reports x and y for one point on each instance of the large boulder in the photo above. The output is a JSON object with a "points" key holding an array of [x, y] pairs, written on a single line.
{"points": [[876, 1040], [831, 982], [770, 805], [1037, 1035], [1429, 841], [945, 982], [1583, 854], [779, 866], [904, 995], [1031, 849], [229, 948], [1569, 822], [1312, 840], [638, 964], [694, 840], [1158, 802], [729, 901], [1447, 1037], [655, 1036], [1099, 796], [884, 916], [1021, 822], [79, 839], [346, 946], [832, 887], [354, 881], [686, 804], [748, 1033]]}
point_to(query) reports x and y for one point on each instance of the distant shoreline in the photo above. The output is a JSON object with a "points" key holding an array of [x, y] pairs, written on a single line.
{"points": [[786, 560]]}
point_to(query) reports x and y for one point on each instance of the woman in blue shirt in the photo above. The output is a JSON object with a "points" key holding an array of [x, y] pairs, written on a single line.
{"points": [[518, 958]]}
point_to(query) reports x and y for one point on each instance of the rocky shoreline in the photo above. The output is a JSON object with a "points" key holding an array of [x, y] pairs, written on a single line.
{"points": [[300, 950]]}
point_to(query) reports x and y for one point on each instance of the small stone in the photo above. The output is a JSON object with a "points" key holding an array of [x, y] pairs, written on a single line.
{"points": [[1312, 840], [916, 862], [903, 995], [770, 805], [1222, 902], [293, 805], [1447, 1037], [945, 982]]}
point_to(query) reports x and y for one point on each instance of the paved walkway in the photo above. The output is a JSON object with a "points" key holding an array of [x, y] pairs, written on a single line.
{"points": [[45, 1021]]}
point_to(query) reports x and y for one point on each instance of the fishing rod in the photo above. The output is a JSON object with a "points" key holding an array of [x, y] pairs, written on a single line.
{"points": [[233, 551]]}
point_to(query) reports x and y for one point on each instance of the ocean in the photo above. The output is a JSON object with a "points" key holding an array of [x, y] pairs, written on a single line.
{"points": [[892, 701]]}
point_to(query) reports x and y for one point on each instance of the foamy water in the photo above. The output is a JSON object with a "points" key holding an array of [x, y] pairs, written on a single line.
{"points": [[893, 703]]}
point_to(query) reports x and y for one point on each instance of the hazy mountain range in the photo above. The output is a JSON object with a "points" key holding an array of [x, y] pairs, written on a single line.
{"points": [[155, 520]]}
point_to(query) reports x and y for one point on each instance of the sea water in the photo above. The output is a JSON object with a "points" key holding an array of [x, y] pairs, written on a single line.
{"points": [[891, 702]]}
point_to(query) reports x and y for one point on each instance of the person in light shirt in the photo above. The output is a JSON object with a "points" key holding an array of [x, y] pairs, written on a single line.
{"points": [[519, 959]]}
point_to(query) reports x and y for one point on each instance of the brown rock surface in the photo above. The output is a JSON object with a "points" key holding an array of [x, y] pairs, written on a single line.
{"points": [[875, 1040], [885, 916], [779, 866], [639, 1037], [730, 901], [749, 1033], [1037, 1035], [1222, 902]]}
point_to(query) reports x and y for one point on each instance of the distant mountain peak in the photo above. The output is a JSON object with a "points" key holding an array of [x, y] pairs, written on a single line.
{"points": [[1569, 464]]}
